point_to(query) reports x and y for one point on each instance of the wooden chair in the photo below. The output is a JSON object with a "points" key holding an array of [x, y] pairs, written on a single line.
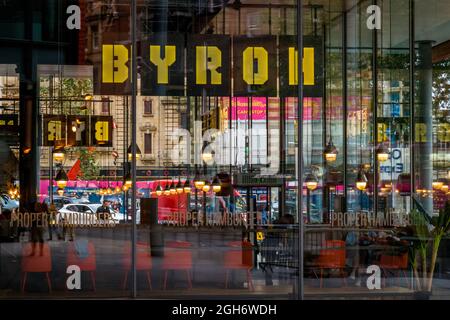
{"points": [[39, 262]]}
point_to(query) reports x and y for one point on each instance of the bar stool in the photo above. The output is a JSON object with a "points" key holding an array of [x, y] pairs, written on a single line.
{"points": [[143, 262]]}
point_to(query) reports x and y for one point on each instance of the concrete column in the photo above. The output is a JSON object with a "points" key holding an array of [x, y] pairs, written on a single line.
{"points": [[423, 124]]}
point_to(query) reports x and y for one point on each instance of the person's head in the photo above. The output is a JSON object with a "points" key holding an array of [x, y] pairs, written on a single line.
{"points": [[105, 203]]}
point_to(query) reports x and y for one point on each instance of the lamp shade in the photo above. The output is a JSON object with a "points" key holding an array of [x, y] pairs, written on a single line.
{"points": [[130, 154], [128, 180], [330, 152], [206, 187], [179, 187], [382, 153], [173, 189], [58, 155], [61, 178], [361, 180], [167, 189], [311, 182], [159, 190], [199, 182], [60, 191], [187, 186], [216, 185]]}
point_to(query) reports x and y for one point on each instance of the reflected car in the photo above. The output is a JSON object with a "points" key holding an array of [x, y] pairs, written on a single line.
{"points": [[7, 204], [88, 214]]}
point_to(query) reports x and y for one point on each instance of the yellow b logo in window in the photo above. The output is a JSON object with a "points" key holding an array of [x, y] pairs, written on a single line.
{"points": [[102, 131]]}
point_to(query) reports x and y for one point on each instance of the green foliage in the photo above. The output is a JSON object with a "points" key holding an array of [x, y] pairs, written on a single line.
{"points": [[89, 167]]}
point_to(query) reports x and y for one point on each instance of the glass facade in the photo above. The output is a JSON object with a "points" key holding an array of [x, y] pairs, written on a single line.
{"points": [[156, 149]]}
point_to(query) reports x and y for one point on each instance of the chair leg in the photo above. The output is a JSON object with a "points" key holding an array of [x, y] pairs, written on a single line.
{"points": [[125, 278], [49, 283], [227, 273], [406, 278], [165, 279], [149, 279], [343, 277], [93, 280], [321, 278], [249, 280], [24, 280], [188, 274]]}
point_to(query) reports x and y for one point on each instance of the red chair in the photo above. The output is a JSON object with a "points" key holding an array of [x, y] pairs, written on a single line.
{"points": [[396, 263], [177, 256], [40, 262], [333, 257], [143, 262], [88, 264], [239, 257]]}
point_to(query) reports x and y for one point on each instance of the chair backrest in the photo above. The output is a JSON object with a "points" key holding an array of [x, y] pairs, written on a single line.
{"points": [[334, 255], [36, 262], [239, 255], [143, 256], [394, 261], [88, 263]]}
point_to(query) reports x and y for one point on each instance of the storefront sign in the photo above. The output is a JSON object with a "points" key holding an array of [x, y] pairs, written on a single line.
{"points": [[9, 123], [208, 66], [369, 219], [81, 131]]}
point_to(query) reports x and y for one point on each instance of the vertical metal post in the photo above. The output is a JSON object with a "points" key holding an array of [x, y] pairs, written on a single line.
{"points": [[375, 115], [300, 289], [412, 51], [133, 142], [345, 106], [50, 174]]}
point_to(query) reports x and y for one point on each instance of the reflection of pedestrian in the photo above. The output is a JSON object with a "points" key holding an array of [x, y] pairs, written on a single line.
{"points": [[37, 234], [51, 213]]}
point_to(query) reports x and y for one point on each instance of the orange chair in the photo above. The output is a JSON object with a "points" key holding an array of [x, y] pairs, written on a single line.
{"points": [[40, 262], [143, 262], [88, 264], [177, 256], [333, 257], [239, 257], [398, 263]]}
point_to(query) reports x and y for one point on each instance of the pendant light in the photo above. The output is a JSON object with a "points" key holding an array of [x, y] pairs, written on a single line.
{"points": [[58, 155], [330, 152], [128, 180], [117, 189], [216, 185], [61, 178], [361, 180], [159, 190], [206, 187], [187, 186], [382, 153], [130, 154], [60, 192], [172, 189], [199, 182], [167, 190], [311, 182], [179, 187]]}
